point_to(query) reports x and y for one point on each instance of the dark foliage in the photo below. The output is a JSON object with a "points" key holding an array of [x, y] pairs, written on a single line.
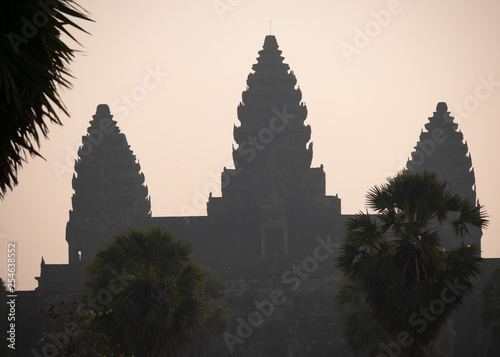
{"points": [[33, 68], [149, 296], [396, 257]]}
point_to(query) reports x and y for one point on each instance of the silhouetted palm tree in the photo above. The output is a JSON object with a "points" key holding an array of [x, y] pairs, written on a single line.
{"points": [[412, 284], [147, 292], [33, 66]]}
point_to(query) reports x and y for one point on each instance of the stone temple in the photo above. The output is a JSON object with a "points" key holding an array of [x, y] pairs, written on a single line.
{"points": [[273, 233]]}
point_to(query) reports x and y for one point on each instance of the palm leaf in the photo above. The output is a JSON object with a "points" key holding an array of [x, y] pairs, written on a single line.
{"points": [[32, 71], [397, 256]]}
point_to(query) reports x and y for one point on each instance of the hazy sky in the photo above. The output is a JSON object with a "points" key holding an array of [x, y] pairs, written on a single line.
{"points": [[371, 73]]}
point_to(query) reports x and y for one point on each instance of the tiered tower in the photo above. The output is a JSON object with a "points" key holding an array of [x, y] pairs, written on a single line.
{"points": [[442, 149], [110, 194], [272, 156], [272, 189]]}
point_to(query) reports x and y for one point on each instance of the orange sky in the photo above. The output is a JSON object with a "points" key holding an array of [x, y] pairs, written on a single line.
{"points": [[371, 74]]}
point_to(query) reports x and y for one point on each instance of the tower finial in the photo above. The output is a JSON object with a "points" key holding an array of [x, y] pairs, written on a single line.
{"points": [[270, 22]]}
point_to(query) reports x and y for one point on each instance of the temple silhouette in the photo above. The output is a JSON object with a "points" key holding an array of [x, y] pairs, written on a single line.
{"points": [[273, 233]]}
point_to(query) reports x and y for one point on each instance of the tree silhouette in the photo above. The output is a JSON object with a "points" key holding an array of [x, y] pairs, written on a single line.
{"points": [[72, 333], [147, 292], [412, 285], [34, 66]]}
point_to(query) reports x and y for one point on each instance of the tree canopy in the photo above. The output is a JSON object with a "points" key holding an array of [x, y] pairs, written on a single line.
{"points": [[150, 297], [412, 284]]}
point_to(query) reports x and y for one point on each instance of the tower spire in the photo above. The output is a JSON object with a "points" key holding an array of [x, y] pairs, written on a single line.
{"points": [[441, 148], [109, 188], [274, 154]]}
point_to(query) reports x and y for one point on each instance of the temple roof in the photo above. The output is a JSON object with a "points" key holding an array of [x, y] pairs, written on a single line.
{"points": [[103, 110], [270, 56]]}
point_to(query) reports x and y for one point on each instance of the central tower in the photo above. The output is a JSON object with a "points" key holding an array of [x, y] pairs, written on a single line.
{"points": [[272, 156], [272, 198]]}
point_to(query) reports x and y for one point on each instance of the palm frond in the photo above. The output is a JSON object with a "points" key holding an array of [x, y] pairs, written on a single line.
{"points": [[396, 256], [471, 215], [31, 72]]}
